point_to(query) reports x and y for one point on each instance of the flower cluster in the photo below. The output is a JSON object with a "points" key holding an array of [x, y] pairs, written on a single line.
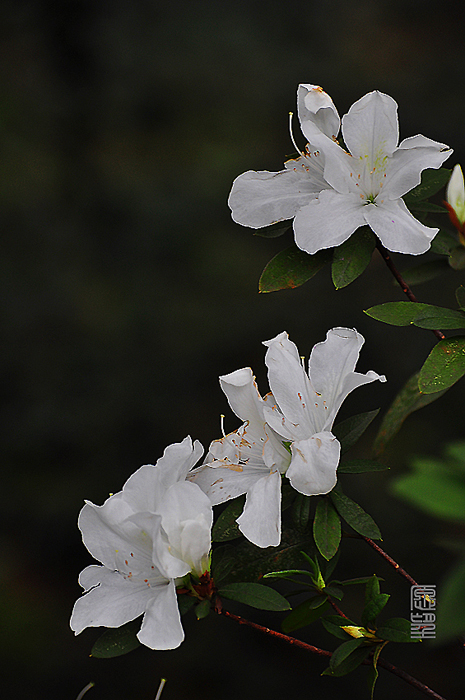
{"points": [[155, 534], [331, 190]]}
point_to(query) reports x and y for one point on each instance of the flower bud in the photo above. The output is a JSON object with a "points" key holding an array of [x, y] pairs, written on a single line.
{"points": [[455, 196]]}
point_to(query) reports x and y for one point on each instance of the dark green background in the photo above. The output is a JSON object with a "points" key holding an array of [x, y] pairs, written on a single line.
{"points": [[126, 290]]}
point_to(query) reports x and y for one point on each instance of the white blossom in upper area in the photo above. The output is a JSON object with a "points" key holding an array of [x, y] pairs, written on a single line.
{"points": [[330, 191], [157, 529]]}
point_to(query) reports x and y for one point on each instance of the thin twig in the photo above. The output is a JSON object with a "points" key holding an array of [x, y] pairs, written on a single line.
{"points": [[322, 652], [402, 283], [390, 560], [336, 608]]}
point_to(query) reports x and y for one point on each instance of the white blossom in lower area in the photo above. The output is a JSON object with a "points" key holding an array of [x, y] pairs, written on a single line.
{"points": [[307, 404], [157, 529], [249, 460], [298, 414]]}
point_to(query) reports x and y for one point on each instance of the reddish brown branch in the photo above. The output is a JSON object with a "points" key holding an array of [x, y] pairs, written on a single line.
{"points": [[390, 560], [400, 280], [322, 652]]}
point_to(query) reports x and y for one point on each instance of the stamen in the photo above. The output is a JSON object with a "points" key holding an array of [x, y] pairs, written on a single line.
{"points": [[222, 424], [291, 114], [162, 683]]}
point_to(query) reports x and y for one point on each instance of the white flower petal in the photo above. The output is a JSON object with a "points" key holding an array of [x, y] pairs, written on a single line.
{"points": [[262, 198], [161, 628], [371, 128], [328, 221], [111, 602], [178, 459], [288, 382], [316, 109], [242, 394], [397, 229], [409, 160], [260, 521], [223, 482], [331, 369], [314, 464]]}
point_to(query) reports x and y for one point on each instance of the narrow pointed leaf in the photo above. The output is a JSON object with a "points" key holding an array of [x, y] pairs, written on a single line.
{"points": [[404, 313], [291, 268], [116, 642], [255, 595], [355, 516], [222, 563], [202, 609], [457, 258], [352, 257], [304, 614], [428, 207], [226, 527], [419, 274], [301, 511], [432, 181], [395, 630], [334, 624], [185, 603], [443, 243], [360, 466], [351, 662], [444, 366], [373, 609], [343, 651], [351, 429], [408, 400], [460, 296], [326, 528], [446, 319]]}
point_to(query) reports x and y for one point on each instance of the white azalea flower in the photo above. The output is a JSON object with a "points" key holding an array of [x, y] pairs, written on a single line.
{"points": [[249, 460], [331, 192], [158, 528], [455, 201], [307, 404]]}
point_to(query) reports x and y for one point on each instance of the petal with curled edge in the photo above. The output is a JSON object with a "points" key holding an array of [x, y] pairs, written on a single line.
{"points": [[314, 464], [110, 599], [414, 155], [316, 109], [242, 394], [260, 521]]}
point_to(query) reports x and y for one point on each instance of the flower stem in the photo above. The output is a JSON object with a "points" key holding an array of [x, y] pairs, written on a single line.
{"points": [[402, 283], [322, 652], [390, 560]]}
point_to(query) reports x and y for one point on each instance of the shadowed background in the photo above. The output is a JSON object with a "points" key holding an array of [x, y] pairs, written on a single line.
{"points": [[126, 290]]}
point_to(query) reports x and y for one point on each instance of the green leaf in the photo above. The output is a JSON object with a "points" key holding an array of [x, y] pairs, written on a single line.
{"points": [[432, 181], [222, 562], [116, 642], [333, 591], [373, 609], [443, 243], [186, 602], [352, 257], [395, 630], [444, 366], [424, 272], [326, 528], [360, 466], [291, 268], [331, 565], [202, 609], [343, 651], [408, 400], [373, 672], [357, 656], [457, 258], [226, 527], [451, 621], [355, 581], [304, 614], [351, 429], [274, 231], [301, 511], [460, 296], [437, 486], [404, 313], [255, 595], [355, 516], [428, 207], [334, 623], [251, 562], [372, 589]]}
